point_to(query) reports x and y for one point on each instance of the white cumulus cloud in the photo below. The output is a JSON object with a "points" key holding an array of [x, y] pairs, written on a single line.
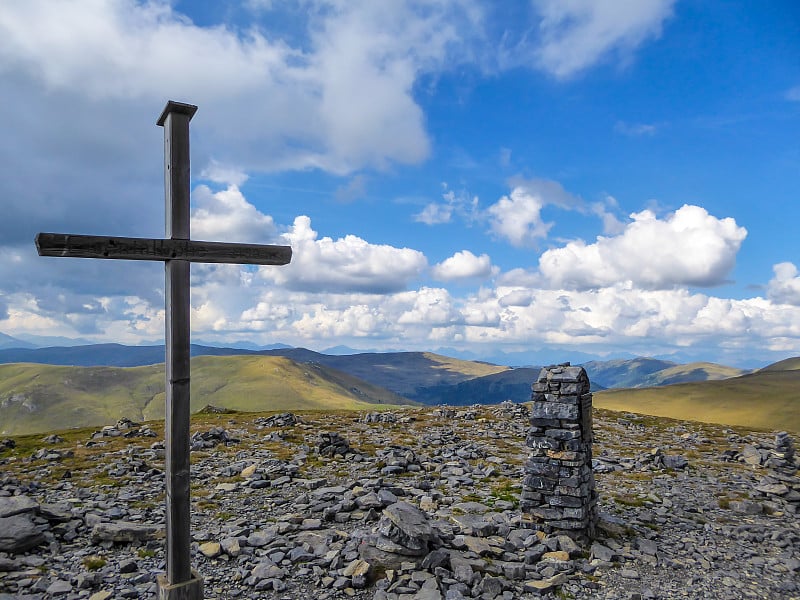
{"points": [[463, 265], [688, 247], [784, 287], [228, 216], [429, 307], [348, 264], [517, 217]]}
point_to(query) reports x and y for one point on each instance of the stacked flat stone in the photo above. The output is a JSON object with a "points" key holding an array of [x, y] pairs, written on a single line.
{"points": [[558, 492], [783, 454]]}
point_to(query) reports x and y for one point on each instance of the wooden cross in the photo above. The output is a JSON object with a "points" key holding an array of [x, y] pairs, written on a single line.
{"points": [[177, 251]]}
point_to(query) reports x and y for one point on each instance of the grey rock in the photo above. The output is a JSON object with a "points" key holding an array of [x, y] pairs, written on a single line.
{"points": [[230, 546], [123, 531], [490, 587], [18, 533], [675, 462], [128, 566], [59, 587], [646, 546], [410, 520], [15, 505], [428, 594], [474, 525], [60, 512], [601, 552]]}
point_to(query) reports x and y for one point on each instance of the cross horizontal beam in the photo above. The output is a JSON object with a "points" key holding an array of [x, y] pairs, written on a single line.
{"points": [[125, 248]]}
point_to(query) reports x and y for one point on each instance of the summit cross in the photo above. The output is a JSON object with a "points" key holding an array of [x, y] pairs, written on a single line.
{"points": [[176, 251]]}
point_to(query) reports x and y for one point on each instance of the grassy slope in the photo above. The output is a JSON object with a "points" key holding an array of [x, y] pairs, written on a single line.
{"points": [[697, 371], [44, 397], [624, 373], [789, 364], [765, 399]]}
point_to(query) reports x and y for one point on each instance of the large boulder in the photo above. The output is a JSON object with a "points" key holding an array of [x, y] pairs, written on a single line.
{"points": [[18, 533]]}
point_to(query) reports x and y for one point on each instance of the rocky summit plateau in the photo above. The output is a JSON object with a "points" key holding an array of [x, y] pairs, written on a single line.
{"points": [[414, 503]]}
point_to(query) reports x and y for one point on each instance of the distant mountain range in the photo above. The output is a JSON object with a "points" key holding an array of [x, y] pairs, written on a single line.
{"points": [[37, 398], [409, 374], [28, 379]]}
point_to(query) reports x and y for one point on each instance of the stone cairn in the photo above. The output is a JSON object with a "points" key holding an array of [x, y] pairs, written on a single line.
{"points": [[558, 493], [783, 455]]}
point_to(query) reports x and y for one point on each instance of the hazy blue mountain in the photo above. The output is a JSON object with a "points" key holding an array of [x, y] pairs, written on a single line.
{"points": [[44, 341], [513, 385], [6, 341]]}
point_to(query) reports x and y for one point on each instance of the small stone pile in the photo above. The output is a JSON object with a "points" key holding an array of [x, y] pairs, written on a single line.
{"points": [[512, 410], [379, 417], [397, 459], [210, 409], [404, 533], [212, 437], [443, 412], [558, 490], [281, 420], [332, 443], [125, 427], [782, 457], [49, 454]]}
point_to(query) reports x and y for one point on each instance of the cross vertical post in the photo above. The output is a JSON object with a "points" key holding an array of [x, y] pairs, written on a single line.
{"points": [[177, 251], [175, 120]]}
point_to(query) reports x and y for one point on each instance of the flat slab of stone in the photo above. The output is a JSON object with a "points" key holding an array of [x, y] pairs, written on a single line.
{"points": [[544, 586], [471, 507], [15, 505], [472, 524], [124, 531]]}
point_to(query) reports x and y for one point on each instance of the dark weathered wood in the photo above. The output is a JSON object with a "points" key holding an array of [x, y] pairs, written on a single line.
{"points": [[175, 120], [125, 248], [177, 251], [177, 421]]}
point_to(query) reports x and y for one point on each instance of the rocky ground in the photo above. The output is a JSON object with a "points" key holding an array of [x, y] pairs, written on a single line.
{"points": [[416, 503]]}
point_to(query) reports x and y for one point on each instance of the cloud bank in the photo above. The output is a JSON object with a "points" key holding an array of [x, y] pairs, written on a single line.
{"points": [[688, 248]]}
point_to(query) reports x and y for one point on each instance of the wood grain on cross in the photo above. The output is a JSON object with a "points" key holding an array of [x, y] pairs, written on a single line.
{"points": [[177, 251]]}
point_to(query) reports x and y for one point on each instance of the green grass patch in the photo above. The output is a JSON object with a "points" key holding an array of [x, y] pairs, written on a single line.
{"points": [[629, 500], [94, 562]]}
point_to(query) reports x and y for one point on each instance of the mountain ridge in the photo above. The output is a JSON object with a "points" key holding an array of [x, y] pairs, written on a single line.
{"points": [[40, 398], [409, 377]]}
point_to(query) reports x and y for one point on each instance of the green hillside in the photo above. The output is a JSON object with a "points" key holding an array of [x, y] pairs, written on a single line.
{"points": [[38, 398], [649, 372], [765, 399], [696, 371], [788, 364], [623, 373]]}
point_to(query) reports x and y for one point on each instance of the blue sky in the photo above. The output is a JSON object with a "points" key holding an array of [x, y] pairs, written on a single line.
{"points": [[532, 179]]}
